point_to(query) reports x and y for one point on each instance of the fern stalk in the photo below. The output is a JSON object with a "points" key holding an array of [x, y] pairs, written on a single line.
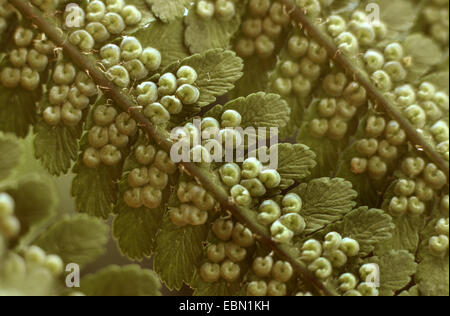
{"points": [[299, 16], [128, 105]]}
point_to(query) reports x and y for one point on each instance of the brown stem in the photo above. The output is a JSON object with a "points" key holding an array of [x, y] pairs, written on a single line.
{"points": [[128, 105], [298, 15]]}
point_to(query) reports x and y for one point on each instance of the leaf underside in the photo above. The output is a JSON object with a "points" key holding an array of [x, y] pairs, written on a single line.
{"points": [[178, 252]]}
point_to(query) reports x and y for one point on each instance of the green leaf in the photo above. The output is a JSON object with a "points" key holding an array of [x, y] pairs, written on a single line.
{"points": [[128, 280], [10, 155], [295, 161], [369, 190], [325, 201], [389, 11], [297, 107], [217, 70], [432, 276], [396, 270], [440, 80], [261, 110], [79, 239], [168, 38], [135, 230], [168, 10], [178, 252], [203, 34], [429, 53], [56, 146], [424, 53], [255, 78], [369, 227], [17, 111], [404, 236], [95, 190], [35, 201], [327, 154]]}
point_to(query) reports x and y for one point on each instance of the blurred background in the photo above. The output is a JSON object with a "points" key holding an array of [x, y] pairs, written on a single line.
{"points": [[66, 205]]}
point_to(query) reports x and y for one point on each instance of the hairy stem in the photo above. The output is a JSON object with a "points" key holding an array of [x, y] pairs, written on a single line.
{"points": [[298, 16], [128, 105]]}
